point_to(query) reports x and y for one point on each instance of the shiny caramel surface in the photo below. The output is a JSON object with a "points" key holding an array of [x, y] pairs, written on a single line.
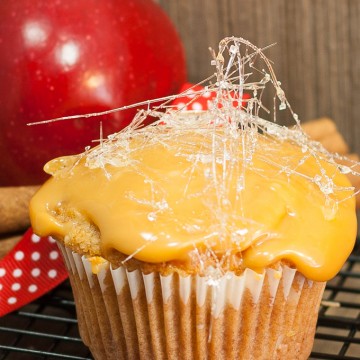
{"points": [[186, 193]]}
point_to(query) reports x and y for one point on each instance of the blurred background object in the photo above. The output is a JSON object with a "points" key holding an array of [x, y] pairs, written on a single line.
{"points": [[61, 58]]}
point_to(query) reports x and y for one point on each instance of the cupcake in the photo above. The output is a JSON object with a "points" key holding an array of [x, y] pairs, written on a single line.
{"points": [[206, 235]]}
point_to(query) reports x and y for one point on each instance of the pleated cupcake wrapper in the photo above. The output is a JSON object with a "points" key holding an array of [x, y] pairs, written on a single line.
{"points": [[131, 315]]}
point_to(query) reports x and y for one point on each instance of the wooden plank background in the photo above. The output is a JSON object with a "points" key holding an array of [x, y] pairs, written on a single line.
{"points": [[317, 56]]}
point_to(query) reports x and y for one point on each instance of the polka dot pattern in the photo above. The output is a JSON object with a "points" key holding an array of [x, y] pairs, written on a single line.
{"points": [[32, 288], [52, 273], [35, 256], [197, 98], [15, 287], [30, 270], [17, 273], [19, 255], [35, 272], [35, 238], [197, 106], [54, 255], [12, 300]]}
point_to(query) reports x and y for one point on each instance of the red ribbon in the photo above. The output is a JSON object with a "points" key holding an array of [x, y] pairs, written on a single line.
{"points": [[32, 268], [195, 98], [35, 266]]}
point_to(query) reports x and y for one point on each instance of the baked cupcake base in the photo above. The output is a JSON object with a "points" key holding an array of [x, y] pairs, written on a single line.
{"points": [[132, 315]]}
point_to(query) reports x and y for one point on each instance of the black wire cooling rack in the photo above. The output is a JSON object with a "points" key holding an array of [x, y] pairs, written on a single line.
{"points": [[47, 328]]}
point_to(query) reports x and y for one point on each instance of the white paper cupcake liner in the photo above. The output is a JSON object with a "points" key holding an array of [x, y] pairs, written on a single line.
{"points": [[132, 315]]}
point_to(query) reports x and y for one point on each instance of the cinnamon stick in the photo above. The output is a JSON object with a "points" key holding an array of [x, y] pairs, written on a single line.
{"points": [[319, 128], [335, 144], [14, 208], [325, 131]]}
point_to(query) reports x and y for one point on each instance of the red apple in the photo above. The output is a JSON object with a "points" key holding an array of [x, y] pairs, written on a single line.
{"points": [[66, 57]]}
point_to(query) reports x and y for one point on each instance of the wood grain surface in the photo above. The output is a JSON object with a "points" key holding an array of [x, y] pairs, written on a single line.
{"points": [[316, 57]]}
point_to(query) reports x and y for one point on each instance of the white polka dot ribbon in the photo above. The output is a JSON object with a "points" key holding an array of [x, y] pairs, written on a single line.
{"points": [[32, 268], [197, 98]]}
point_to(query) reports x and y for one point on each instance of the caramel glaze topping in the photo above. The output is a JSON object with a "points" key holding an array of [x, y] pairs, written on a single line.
{"points": [[200, 195]]}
